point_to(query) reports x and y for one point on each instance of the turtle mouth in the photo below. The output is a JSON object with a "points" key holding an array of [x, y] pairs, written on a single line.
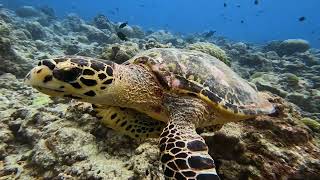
{"points": [[49, 91]]}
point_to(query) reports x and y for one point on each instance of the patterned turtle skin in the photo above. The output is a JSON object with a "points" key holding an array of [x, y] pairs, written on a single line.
{"points": [[163, 91]]}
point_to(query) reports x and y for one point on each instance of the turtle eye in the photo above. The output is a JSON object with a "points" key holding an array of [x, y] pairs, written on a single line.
{"points": [[67, 74]]}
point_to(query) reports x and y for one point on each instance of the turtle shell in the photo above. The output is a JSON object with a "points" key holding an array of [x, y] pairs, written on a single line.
{"points": [[198, 74]]}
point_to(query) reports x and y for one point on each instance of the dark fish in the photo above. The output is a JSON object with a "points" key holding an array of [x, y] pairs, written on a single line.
{"points": [[122, 25], [209, 34], [117, 9], [73, 6], [242, 21], [238, 6], [122, 36], [149, 32], [224, 4], [112, 12], [302, 18], [141, 5], [256, 2]]}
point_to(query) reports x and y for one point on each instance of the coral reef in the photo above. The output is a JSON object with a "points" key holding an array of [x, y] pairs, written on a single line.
{"points": [[293, 77], [211, 49], [131, 31], [152, 43], [102, 22], [36, 30], [266, 148], [161, 36], [288, 47], [120, 53]]}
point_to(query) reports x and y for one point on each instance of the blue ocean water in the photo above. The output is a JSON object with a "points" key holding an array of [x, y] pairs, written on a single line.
{"points": [[241, 20]]}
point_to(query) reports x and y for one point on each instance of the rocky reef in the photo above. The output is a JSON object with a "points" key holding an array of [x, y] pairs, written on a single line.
{"points": [[52, 138]]}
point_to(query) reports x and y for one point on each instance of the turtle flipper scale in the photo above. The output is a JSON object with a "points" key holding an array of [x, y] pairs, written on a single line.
{"points": [[184, 154], [128, 121]]}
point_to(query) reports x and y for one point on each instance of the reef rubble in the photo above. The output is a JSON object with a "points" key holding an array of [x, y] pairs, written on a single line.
{"points": [[52, 138]]}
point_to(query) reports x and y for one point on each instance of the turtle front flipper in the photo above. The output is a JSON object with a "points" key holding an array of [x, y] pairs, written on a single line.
{"points": [[128, 121], [184, 153]]}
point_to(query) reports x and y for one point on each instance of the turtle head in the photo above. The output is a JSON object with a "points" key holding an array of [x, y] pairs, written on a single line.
{"points": [[73, 77]]}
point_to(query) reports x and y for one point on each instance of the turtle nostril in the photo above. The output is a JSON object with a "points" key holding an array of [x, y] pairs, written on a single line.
{"points": [[39, 71]]}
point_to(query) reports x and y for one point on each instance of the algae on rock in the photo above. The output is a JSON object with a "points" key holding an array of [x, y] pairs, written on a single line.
{"points": [[288, 47], [312, 124], [268, 82], [211, 49]]}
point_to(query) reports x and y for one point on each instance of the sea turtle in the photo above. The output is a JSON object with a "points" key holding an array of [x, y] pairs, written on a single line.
{"points": [[162, 90]]}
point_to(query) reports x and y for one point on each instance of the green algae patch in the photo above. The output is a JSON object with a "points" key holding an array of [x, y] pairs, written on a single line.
{"points": [[257, 75], [312, 124], [292, 79], [41, 100]]}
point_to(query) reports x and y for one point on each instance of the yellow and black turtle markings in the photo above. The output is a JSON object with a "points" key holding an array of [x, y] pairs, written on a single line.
{"points": [[83, 76], [47, 63], [128, 121]]}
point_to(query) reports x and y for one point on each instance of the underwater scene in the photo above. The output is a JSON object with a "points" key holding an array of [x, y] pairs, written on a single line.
{"points": [[160, 89]]}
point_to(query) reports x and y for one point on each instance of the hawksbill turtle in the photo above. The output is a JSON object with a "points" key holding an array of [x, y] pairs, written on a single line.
{"points": [[164, 92]]}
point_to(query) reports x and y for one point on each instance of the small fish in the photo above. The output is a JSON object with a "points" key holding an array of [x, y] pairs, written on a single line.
{"points": [[111, 12], [224, 4], [260, 11], [122, 36], [122, 25], [73, 6], [209, 34], [302, 18], [141, 5], [166, 26], [238, 6], [149, 32], [242, 21], [256, 2]]}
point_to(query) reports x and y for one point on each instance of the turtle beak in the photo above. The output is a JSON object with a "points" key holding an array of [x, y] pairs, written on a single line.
{"points": [[27, 79], [36, 76], [40, 78]]}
